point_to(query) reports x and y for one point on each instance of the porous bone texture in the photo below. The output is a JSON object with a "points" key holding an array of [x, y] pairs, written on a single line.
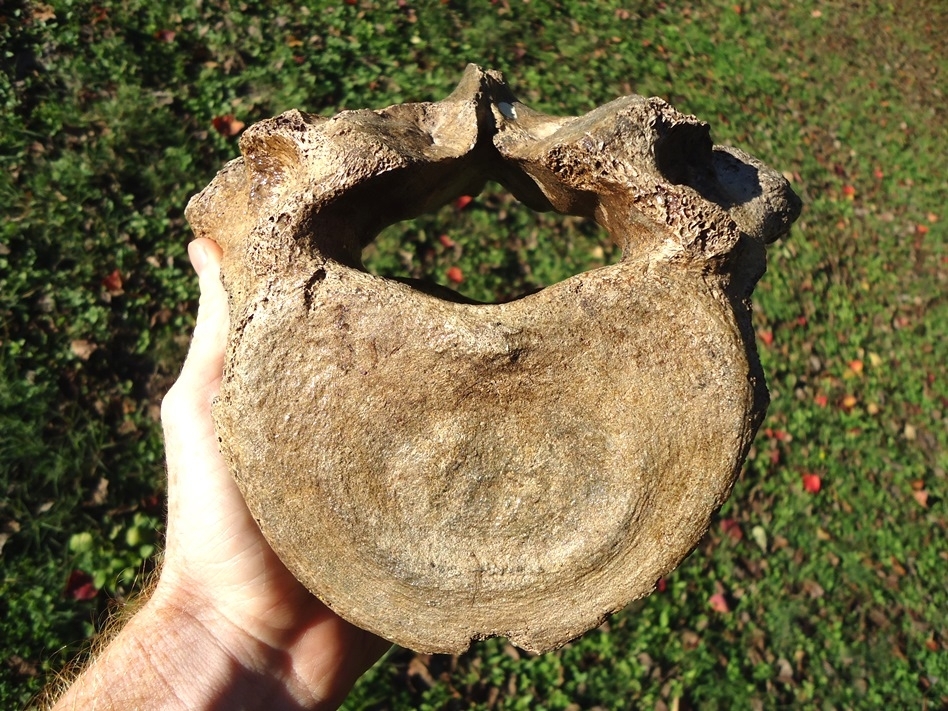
{"points": [[439, 471]]}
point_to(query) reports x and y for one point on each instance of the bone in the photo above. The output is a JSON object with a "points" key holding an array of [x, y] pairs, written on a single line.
{"points": [[437, 471]]}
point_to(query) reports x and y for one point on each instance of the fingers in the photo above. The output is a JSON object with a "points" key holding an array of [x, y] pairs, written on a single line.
{"points": [[196, 472], [205, 362]]}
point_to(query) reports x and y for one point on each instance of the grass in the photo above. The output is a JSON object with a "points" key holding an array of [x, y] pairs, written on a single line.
{"points": [[827, 599]]}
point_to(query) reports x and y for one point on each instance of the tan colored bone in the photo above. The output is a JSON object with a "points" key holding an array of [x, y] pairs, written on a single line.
{"points": [[439, 471]]}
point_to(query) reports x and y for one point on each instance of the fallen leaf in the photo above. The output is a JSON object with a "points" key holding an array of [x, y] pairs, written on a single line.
{"points": [[416, 667], [921, 496], [784, 671], [446, 241], [113, 282], [165, 36], [462, 202], [455, 275], [690, 640], [849, 402], [783, 436], [719, 603], [99, 494], [849, 191], [766, 337], [21, 666], [11, 526], [43, 13], [79, 586], [821, 400], [813, 589], [897, 566], [82, 348], [227, 125], [856, 366], [760, 537], [812, 483], [732, 528], [910, 432]]}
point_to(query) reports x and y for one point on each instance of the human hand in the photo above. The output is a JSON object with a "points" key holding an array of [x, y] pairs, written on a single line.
{"points": [[227, 626]]}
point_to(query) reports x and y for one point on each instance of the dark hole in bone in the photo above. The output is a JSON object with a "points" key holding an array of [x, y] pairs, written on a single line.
{"points": [[683, 155], [505, 250]]}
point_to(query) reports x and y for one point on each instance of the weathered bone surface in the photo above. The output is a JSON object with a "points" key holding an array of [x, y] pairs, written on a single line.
{"points": [[439, 471]]}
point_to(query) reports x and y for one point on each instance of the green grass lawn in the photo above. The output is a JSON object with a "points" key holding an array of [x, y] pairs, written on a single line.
{"points": [[824, 581]]}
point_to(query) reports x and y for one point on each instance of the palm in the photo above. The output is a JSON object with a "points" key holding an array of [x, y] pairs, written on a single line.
{"points": [[215, 552]]}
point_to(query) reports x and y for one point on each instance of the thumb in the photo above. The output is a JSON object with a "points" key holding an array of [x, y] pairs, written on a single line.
{"points": [[205, 362]]}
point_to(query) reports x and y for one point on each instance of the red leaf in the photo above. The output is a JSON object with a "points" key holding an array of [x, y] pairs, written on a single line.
{"points": [[227, 125], [812, 483], [719, 603], [661, 585], [455, 274], [113, 282], [80, 586], [766, 337], [849, 191], [821, 400], [462, 202], [732, 528], [446, 241]]}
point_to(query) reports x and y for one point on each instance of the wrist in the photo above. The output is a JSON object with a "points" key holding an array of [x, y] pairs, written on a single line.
{"points": [[179, 653], [213, 662]]}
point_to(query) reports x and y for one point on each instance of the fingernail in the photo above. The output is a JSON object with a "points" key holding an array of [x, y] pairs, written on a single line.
{"points": [[198, 254]]}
